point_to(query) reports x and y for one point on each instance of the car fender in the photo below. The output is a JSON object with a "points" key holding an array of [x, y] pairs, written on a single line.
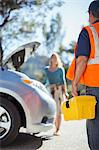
{"points": [[21, 102]]}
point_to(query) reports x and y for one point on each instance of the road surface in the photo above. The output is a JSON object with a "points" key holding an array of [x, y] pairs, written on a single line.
{"points": [[73, 137]]}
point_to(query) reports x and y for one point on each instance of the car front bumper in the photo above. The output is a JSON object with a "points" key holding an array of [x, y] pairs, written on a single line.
{"points": [[37, 128]]}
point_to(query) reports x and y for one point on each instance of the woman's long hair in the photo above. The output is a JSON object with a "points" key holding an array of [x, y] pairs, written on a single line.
{"points": [[59, 62]]}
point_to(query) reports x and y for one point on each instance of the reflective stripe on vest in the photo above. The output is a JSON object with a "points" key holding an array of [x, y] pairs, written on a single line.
{"points": [[95, 60]]}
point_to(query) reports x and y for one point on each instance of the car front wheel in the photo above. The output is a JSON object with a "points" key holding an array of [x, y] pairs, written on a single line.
{"points": [[9, 121]]}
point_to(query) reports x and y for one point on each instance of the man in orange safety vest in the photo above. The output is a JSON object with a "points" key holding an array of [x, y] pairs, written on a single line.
{"points": [[85, 69]]}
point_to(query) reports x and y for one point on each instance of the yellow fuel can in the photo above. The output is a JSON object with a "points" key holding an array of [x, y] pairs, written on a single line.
{"points": [[79, 107]]}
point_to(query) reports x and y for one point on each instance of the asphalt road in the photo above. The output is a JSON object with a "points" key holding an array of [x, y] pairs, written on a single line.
{"points": [[73, 137]]}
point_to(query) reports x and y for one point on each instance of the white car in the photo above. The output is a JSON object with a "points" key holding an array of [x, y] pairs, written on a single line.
{"points": [[23, 102]]}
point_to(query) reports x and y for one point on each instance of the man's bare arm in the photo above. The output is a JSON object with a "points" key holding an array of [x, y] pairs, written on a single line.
{"points": [[81, 63]]}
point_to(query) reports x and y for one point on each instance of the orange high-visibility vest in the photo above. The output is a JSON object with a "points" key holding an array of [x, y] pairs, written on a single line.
{"points": [[91, 75]]}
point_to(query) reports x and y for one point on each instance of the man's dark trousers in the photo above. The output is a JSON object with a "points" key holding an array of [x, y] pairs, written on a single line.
{"points": [[93, 125]]}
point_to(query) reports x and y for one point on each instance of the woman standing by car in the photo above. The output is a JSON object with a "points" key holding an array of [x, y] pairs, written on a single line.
{"points": [[55, 75]]}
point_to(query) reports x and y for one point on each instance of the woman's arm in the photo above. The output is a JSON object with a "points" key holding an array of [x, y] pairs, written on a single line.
{"points": [[46, 82], [64, 87]]}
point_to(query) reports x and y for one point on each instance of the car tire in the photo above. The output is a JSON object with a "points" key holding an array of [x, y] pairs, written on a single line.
{"points": [[9, 121]]}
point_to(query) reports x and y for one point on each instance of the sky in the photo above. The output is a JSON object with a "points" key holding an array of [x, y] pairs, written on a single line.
{"points": [[74, 16]]}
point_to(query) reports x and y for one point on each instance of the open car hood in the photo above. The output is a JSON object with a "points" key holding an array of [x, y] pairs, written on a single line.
{"points": [[17, 57]]}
